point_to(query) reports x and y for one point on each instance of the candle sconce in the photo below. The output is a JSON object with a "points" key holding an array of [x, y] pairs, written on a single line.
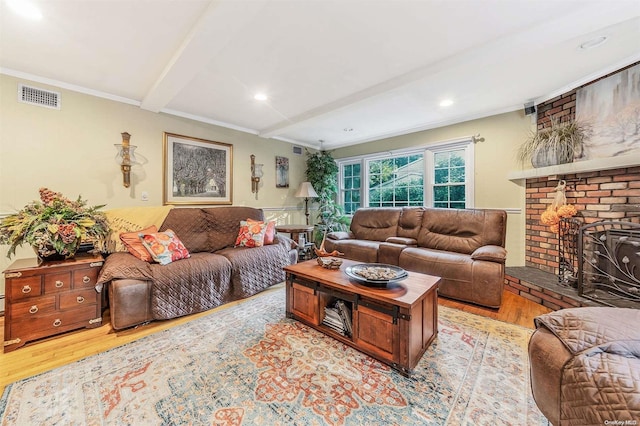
{"points": [[256, 174], [126, 158]]}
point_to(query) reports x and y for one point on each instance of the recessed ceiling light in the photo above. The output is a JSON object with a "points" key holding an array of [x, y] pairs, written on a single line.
{"points": [[446, 102], [594, 42], [25, 8], [260, 97]]}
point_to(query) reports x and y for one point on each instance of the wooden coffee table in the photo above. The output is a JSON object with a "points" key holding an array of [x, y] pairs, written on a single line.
{"points": [[394, 325]]}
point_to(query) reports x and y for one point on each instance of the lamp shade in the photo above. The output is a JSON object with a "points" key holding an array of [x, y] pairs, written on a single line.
{"points": [[305, 190]]}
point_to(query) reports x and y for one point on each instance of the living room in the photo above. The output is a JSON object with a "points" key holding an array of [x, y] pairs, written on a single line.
{"points": [[71, 148]]}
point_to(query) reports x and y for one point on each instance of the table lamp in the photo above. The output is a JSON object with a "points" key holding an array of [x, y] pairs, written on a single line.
{"points": [[306, 191]]}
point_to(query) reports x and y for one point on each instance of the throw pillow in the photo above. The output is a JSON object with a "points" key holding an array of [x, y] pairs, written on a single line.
{"points": [[164, 247], [129, 219], [251, 234], [131, 240], [270, 234]]}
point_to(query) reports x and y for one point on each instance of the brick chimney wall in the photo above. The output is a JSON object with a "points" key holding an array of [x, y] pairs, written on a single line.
{"points": [[602, 195]]}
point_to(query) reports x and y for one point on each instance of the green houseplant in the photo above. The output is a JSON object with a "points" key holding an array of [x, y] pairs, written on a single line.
{"points": [[322, 172], [54, 226], [561, 142]]}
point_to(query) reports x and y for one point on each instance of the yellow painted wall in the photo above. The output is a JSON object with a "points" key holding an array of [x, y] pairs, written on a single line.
{"points": [[71, 151], [494, 158]]}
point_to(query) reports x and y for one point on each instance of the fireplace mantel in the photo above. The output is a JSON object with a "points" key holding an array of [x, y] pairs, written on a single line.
{"points": [[577, 167]]}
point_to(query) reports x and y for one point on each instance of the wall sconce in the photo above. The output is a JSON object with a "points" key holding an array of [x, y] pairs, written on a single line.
{"points": [[125, 158], [306, 191], [256, 174]]}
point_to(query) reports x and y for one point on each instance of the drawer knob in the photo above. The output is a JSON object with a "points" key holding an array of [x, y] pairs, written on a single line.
{"points": [[33, 309], [59, 284], [86, 280], [80, 299], [26, 289], [57, 323]]}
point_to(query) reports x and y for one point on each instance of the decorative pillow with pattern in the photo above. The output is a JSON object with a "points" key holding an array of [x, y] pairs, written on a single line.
{"points": [[251, 234], [164, 247], [132, 242], [270, 234]]}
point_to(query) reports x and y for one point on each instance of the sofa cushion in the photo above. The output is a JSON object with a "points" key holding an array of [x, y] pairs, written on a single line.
{"points": [[461, 231], [192, 285], [192, 226], [375, 224], [410, 222], [224, 224]]}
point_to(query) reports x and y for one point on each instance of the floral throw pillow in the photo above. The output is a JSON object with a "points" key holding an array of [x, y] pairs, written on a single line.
{"points": [[132, 242], [251, 234], [270, 233], [164, 247]]}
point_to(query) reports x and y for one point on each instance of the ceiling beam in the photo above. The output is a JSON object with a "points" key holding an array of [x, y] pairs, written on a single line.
{"points": [[217, 26]]}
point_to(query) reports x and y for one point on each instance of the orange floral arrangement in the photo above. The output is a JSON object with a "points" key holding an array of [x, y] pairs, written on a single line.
{"points": [[551, 216], [558, 209]]}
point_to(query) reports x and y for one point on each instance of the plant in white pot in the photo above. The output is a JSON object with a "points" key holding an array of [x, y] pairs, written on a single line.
{"points": [[560, 143]]}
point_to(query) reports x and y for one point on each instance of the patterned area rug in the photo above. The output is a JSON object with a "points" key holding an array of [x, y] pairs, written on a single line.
{"points": [[250, 365]]}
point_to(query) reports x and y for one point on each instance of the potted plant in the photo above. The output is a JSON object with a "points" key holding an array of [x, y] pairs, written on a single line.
{"points": [[322, 172], [560, 143], [54, 226]]}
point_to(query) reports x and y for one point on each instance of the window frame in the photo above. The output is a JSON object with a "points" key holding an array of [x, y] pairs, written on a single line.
{"points": [[428, 152]]}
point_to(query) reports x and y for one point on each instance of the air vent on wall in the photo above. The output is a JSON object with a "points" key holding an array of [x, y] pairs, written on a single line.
{"points": [[297, 150], [40, 97]]}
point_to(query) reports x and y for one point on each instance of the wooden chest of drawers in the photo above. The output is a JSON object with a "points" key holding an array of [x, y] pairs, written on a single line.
{"points": [[50, 298]]}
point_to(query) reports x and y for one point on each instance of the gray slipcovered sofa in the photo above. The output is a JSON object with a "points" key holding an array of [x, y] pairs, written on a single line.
{"points": [[216, 273], [463, 247]]}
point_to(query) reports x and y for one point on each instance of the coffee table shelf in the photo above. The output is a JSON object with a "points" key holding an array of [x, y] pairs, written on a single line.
{"points": [[395, 325]]}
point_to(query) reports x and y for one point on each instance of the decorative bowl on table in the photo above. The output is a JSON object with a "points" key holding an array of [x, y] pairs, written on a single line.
{"points": [[376, 274]]}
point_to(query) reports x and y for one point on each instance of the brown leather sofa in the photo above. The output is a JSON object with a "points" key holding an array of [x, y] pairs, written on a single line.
{"points": [[216, 273], [463, 247], [585, 366]]}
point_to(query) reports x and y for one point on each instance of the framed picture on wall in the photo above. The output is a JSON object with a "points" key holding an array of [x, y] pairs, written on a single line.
{"points": [[196, 171], [282, 172]]}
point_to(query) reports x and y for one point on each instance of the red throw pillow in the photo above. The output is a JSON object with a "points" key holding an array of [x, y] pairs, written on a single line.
{"points": [[164, 247], [132, 242], [270, 234]]}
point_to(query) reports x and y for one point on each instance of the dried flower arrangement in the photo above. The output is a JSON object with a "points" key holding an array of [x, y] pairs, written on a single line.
{"points": [[54, 225]]}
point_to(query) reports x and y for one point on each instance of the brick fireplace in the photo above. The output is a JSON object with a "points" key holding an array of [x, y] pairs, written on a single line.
{"points": [[606, 194]]}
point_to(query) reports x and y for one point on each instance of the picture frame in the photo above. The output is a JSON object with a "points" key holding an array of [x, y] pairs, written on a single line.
{"points": [[282, 172], [196, 171]]}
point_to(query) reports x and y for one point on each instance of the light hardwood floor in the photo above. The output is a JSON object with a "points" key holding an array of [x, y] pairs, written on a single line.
{"points": [[35, 358]]}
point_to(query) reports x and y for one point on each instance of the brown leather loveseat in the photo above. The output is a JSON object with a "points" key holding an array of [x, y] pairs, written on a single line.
{"points": [[214, 274], [463, 247]]}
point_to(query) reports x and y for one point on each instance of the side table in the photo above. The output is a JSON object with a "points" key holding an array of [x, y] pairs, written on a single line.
{"points": [[48, 298], [305, 251], [295, 231]]}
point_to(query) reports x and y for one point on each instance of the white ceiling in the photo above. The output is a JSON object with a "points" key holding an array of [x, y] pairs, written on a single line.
{"points": [[340, 71]]}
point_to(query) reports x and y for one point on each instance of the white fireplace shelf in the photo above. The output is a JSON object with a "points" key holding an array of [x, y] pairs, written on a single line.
{"points": [[577, 167]]}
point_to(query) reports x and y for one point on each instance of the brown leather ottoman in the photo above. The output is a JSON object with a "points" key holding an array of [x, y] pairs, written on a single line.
{"points": [[585, 366]]}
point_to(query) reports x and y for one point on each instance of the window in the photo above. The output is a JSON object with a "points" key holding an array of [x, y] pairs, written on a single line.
{"points": [[396, 181], [350, 188], [435, 176], [449, 179]]}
